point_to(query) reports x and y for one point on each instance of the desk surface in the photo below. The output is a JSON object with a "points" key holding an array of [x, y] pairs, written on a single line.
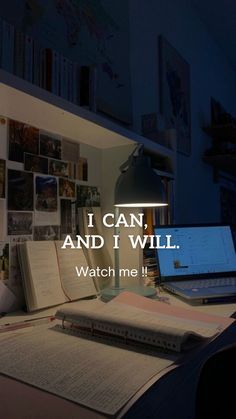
{"points": [[224, 310], [39, 404]]}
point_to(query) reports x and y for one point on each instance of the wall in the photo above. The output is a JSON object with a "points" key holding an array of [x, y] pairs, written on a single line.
{"points": [[197, 197]]}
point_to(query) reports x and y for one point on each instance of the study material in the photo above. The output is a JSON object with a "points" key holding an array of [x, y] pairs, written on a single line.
{"points": [[202, 268], [89, 372], [138, 320], [98, 370], [49, 276]]}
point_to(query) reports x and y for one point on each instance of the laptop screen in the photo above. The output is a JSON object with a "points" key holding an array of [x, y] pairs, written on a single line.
{"points": [[202, 250]]}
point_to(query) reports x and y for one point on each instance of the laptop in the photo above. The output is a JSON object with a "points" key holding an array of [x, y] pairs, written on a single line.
{"points": [[202, 267]]}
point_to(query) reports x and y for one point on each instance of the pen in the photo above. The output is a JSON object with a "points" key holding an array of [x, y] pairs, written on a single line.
{"points": [[26, 323]]}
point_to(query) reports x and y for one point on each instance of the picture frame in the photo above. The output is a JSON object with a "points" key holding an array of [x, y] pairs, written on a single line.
{"points": [[175, 102]]}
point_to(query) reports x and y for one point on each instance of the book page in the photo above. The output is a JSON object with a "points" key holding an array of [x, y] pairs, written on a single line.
{"points": [[44, 274], [90, 373], [74, 287]]}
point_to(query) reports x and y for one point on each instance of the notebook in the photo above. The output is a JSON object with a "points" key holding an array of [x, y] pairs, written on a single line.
{"points": [[202, 267]]}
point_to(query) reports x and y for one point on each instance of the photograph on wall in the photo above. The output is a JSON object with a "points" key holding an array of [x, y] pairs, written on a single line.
{"points": [[81, 169], [46, 233], [61, 168], [2, 178], [19, 223], [36, 164], [88, 196], [66, 216], [66, 188], [4, 261], [175, 94], [3, 220], [22, 139], [70, 150], [45, 193], [14, 271], [20, 190], [49, 146]]}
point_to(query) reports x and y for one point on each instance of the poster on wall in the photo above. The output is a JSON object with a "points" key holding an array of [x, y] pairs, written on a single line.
{"points": [[2, 178], [22, 139], [45, 193], [35, 164], [46, 233], [4, 260], [66, 188], [50, 146], [175, 94], [93, 33], [19, 223], [88, 196], [20, 190]]}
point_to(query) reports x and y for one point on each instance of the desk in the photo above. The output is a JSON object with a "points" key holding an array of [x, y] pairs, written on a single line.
{"points": [[173, 395]]}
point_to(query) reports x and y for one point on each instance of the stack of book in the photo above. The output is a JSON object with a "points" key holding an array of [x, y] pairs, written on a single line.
{"points": [[23, 56]]}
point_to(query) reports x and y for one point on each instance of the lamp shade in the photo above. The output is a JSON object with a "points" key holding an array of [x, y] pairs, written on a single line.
{"points": [[139, 186]]}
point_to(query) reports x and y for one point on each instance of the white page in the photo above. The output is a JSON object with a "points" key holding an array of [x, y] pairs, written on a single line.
{"points": [[100, 376], [74, 287], [42, 260]]}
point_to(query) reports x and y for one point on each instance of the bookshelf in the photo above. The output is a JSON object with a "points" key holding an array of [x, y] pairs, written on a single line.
{"points": [[104, 143]]}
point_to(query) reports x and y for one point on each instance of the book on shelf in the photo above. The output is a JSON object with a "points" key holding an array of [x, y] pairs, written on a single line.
{"points": [[19, 56], [49, 276], [28, 67], [133, 319], [7, 46]]}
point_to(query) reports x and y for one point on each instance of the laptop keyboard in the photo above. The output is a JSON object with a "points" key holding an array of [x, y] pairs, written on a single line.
{"points": [[207, 283]]}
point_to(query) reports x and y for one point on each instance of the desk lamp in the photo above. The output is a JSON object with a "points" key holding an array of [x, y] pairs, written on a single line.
{"points": [[138, 186]]}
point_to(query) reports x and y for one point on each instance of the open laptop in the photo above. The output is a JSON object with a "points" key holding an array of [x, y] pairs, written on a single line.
{"points": [[203, 268]]}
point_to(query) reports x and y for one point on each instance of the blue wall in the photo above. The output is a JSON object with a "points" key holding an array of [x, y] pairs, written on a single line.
{"points": [[197, 197]]}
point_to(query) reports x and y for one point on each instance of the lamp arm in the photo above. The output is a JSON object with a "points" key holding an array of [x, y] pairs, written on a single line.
{"points": [[137, 152]]}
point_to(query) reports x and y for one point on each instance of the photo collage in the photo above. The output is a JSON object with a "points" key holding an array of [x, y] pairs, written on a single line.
{"points": [[40, 190]]}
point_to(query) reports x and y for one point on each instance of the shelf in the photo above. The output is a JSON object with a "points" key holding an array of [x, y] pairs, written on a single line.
{"points": [[31, 104], [226, 133], [223, 162]]}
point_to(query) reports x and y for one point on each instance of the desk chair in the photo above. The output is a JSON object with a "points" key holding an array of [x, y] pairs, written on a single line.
{"points": [[216, 391]]}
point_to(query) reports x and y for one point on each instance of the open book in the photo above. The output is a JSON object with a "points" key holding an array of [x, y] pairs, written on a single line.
{"points": [[138, 320], [49, 275], [99, 372]]}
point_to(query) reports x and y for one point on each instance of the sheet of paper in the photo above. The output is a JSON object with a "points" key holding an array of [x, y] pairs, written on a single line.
{"points": [[94, 374], [7, 298], [154, 306], [74, 287]]}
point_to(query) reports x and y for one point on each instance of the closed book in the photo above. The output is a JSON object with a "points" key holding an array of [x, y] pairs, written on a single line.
{"points": [[76, 84], [28, 70], [36, 62], [64, 77], [70, 81], [7, 46], [19, 54]]}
